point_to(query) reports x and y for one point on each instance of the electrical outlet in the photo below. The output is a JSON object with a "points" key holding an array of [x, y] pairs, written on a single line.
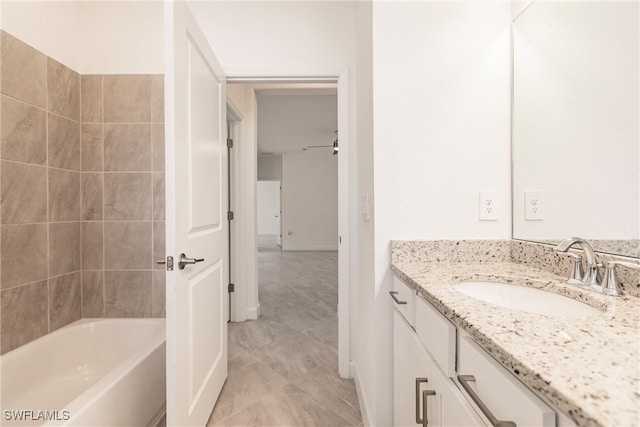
{"points": [[533, 205], [488, 206]]}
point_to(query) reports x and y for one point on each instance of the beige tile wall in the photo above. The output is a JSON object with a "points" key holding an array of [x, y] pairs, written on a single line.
{"points": [[122, 145], [81, 195]]}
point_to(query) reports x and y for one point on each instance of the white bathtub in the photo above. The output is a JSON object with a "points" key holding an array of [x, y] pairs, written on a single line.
{"points": [[93, 372]]}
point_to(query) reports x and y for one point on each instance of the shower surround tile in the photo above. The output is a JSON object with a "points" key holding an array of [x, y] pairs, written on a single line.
{"points": [[64, 195], [128, 245], [157, 98], [91, 147], [65, 161], [64, 247], [63, 89], [24, 315], [92, 294], [63, 142], [158, 243], [127, 196], [92, 245], [65, 302], [127, 98], [127, 147], [24, 193], [23, 71], [23, 132], [92, 196], [157, 143], [158, 197], [91, 98], [159, 290], [20, 243], [128, 293]]}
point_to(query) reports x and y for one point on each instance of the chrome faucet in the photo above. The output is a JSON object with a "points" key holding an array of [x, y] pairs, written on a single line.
{"points": [[590, 276], [610, 285]]}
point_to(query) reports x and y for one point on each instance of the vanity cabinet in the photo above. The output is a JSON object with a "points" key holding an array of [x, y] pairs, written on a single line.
{"points": [[421, 389], [464, 385]]}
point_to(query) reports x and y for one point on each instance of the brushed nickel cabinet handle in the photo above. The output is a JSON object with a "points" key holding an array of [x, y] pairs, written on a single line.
{"points": [[395, 298], [425, 395], [421, 416], [464, 382]]}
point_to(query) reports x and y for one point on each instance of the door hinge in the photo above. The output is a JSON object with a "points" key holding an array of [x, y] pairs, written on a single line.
{"points": [[232, 287], [229, 143], [230, 215]]}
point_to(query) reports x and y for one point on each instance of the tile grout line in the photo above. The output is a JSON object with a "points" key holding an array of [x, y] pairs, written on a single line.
{"points": [[82, 228], [104, 251], [46, 89]]}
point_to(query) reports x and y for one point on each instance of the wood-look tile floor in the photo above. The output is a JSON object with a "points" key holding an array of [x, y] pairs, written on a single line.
{"points": [[283, 367]]}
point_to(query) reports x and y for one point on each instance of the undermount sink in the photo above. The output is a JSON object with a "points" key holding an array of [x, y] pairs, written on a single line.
{"points": [[526, 299]]}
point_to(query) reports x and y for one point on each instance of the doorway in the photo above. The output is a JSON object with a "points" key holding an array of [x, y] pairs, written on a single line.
{"points": [[269, 215], [242, 92]]}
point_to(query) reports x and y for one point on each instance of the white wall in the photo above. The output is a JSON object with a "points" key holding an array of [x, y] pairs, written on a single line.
{"points": [[50, 27], [270, 168], [364, 335], [441, 102], [268, 37], [576, 119], [291, 122], [121, 37], [92, 37], [309, 201]]}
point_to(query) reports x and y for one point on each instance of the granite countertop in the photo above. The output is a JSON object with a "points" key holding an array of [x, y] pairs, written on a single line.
{"points": [[587, 367]]}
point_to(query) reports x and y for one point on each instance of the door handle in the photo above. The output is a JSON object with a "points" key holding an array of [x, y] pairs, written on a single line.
{"points": [[183, 261]]}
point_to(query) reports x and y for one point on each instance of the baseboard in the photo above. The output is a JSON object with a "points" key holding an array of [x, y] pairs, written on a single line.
{"points": [[253, 312], [309, 248], [364, 407]]}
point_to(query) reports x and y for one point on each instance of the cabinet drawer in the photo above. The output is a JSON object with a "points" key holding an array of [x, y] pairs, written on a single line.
{"points": [[437, 334], [404, 300], [504, 396]]}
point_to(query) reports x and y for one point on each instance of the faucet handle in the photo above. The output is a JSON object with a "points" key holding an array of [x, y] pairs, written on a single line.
{"points": [[575, 272], [610, 285]]}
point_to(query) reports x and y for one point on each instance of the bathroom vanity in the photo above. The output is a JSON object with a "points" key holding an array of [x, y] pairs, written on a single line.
{"points": [[461, 361]]}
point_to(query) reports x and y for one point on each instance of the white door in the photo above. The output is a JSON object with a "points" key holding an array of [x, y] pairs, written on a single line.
{"points": [[269, 208], [196, 192]]}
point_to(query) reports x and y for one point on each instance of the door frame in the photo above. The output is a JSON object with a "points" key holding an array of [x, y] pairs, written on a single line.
{"points": [[346, 182]]}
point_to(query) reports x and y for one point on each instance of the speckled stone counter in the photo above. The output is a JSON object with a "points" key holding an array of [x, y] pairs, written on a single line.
{"points": [[587, 367]]}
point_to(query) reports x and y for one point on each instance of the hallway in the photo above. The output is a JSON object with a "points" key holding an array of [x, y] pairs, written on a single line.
{"points": [[283, 367]]}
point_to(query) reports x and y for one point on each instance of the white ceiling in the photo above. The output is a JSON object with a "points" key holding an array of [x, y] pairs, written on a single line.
{"points": [[290, 119]]}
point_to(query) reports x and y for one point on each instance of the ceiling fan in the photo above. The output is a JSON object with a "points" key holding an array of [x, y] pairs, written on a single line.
{"points": [[334, 145]]}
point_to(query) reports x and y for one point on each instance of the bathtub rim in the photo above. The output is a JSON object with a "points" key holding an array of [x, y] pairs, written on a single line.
{"points": [[81, 402]]}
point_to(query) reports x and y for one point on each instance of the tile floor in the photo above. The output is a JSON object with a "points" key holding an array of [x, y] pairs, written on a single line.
{"points": [[283, 367]]}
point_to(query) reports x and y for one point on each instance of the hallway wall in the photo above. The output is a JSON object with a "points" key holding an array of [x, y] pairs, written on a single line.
{"points": [[309, 201]]}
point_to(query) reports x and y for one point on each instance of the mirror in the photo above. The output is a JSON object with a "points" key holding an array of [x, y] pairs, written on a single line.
{"points": [[575, 124]]}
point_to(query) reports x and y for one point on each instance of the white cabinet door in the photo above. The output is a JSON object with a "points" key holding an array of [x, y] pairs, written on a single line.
{"points": [[456, 411], [412, 363]]}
